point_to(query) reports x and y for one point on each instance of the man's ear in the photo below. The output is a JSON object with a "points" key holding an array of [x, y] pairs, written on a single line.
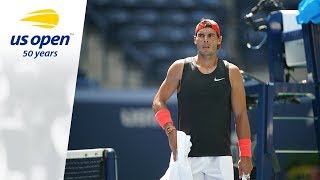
{"points": [[219, 42], [194, 40]]}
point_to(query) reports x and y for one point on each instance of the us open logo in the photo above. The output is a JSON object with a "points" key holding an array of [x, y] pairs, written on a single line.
{"points": [[46, 19]]}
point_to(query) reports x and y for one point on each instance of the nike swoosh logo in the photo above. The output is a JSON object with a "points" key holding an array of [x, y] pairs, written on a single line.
{"points": [[215, 79]]}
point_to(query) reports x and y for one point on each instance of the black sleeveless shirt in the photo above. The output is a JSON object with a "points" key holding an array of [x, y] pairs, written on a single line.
{"points": [[204, 109]]}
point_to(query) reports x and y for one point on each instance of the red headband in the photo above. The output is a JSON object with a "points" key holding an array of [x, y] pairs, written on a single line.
{"points": [[212, 24]]}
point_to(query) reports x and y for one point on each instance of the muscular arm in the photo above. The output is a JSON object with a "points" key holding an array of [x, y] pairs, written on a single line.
{"points": [[168, 86], [238, 101]]}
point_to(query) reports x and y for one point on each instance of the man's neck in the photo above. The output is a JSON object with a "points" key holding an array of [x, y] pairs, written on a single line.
{"points": [[206, 61]]}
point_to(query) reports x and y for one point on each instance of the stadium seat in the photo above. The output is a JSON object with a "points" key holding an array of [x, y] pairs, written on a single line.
{"points": [[184, 50], [183, 3], [100, 2], [198, 14], [158, 51], [117, 16], [212, 3], [174, 16], [170, 33], [135, 33], [145, 16]]}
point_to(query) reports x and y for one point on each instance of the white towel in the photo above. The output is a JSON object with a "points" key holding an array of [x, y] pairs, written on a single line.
{"points": [[180, 169]]}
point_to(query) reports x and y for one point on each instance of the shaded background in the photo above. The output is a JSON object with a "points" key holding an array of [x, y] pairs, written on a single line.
{"points": [[129, 44]]}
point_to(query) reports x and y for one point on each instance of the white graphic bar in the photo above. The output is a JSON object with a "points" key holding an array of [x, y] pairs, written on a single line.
{"points": [[39, 55]]}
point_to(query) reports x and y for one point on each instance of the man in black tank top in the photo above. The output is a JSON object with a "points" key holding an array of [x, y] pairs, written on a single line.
{"points": [[208, 90]]}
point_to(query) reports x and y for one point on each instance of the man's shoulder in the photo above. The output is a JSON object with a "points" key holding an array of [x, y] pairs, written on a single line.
{"points": [[177, 67], [184, 60], [230, 65], [179, 63], [234, 72], [233, 67]]}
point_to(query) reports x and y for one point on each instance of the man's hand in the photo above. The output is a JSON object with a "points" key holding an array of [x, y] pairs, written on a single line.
{"points": [[172, 137], [171, 132], [244, 166]]}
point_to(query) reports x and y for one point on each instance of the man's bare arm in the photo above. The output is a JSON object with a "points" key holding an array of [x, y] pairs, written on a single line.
{"points": [[167, 88], [238, 101]]}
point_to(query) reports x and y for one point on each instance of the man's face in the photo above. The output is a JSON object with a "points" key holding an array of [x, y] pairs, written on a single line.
{"points": [[207, 41]]}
